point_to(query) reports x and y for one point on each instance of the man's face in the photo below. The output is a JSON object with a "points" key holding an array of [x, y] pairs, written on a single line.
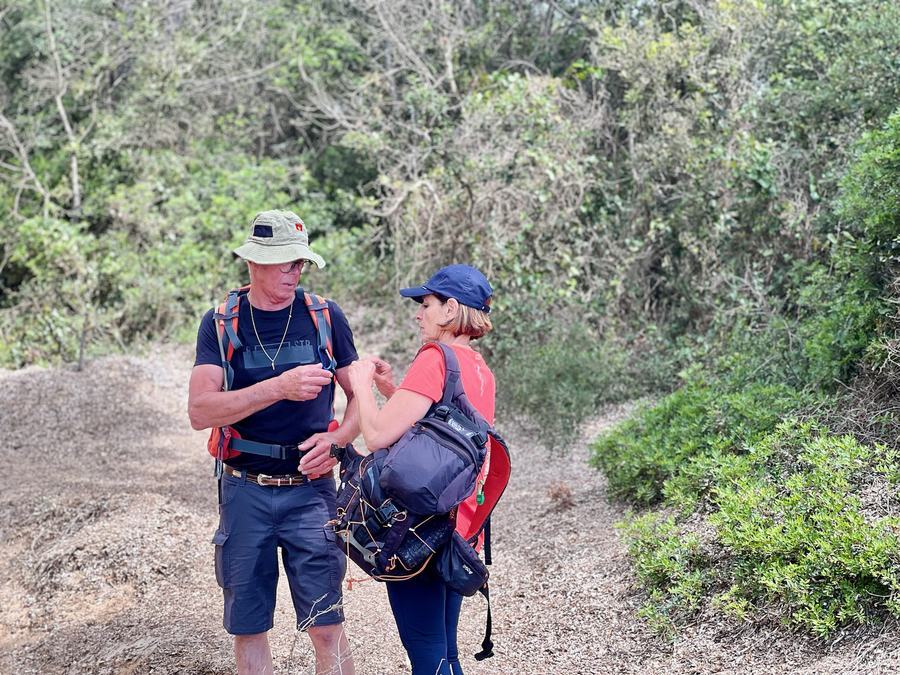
{"points": [[277, 281]]}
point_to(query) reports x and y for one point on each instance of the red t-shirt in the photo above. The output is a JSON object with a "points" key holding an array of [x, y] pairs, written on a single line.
{"points": [[426, 377]]}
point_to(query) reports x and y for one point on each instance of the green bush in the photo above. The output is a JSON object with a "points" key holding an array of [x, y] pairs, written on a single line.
{"points": [[850, 303], [800, 536], [790, 531], [53, 304], [154, 255], [669, 448], [671, 564]]}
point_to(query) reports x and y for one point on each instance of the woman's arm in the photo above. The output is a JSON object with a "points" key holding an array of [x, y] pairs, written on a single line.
{"points": [[381, 428]]}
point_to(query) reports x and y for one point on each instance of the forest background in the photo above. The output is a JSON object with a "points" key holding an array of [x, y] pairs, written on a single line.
{"points": [[693, 201]]}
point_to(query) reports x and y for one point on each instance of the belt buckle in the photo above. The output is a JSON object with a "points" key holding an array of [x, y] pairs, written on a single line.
{"points": [[260, 477]]}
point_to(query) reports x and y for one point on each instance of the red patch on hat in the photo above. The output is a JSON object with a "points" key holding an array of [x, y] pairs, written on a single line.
{"points": [[299, 227]]}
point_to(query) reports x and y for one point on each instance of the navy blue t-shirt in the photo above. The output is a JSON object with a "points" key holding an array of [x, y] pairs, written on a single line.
{"points": [[283, 422]]}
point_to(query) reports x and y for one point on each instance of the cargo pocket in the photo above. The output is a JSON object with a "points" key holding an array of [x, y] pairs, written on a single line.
{"points": [[222, 576], [338, 563]]}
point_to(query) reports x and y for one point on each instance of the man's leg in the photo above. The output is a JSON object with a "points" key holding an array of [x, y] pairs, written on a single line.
{"points": [[247, 571], [314, 567], [332, 650], [252, 654]]}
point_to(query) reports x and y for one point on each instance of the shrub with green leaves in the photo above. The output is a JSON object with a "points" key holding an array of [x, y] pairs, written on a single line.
{"points": [[792, 526], [850, 302], [799, 534], [156, 256], [671, 564], [563, 376], [669, 448]]}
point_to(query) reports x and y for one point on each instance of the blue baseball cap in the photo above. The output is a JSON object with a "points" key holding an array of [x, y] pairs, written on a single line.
{"points": [[462, 282]]}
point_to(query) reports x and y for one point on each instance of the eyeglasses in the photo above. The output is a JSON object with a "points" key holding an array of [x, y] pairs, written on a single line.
{"points": [[288, 268]]}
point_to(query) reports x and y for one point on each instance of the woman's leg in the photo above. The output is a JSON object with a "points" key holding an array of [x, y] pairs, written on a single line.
{"points": [[452, 605], [419, 610]]}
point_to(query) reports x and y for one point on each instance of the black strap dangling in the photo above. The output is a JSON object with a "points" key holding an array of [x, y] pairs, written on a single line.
{"points": [[487, 645]]}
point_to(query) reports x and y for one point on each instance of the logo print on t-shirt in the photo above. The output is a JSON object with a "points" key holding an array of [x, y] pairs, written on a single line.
{"points": [[294, 353]]}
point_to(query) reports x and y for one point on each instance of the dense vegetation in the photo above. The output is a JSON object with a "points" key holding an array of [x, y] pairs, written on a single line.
{"points": [[779, 490], [687, 196]]}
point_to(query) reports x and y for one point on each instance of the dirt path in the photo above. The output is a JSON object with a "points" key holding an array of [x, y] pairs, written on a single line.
{"points": [[106, 565]]}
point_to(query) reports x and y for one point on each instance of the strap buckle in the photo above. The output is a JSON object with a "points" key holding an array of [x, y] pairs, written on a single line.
{"points": [[260, 478], [285, 449], [442, 412], [337, 452]]}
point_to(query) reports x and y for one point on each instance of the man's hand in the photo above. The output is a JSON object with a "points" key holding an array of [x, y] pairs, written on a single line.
{"points": [[303, 383], [317, 460]]}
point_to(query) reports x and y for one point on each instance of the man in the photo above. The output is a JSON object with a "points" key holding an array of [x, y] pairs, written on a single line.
{"points": [[280, 398]]}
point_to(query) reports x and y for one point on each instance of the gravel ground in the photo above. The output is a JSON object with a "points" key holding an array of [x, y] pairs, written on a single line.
{"points": [[106, 566]]}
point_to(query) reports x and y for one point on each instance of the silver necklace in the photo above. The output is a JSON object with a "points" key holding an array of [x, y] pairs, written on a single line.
{"points": [[272, 359]]}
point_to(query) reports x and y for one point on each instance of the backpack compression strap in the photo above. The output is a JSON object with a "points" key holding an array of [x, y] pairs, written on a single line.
{"points": [[487, 645]]}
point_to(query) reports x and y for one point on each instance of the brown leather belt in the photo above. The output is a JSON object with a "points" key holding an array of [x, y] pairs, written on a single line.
{"points": [[283, 480]]}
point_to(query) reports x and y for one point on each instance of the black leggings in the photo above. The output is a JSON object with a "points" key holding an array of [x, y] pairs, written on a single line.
{"points": [[427, 614]]}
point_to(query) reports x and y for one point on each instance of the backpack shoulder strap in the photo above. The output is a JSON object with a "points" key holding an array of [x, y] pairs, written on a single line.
{"points": [[321, 318], [452, 379], [225, 318]]}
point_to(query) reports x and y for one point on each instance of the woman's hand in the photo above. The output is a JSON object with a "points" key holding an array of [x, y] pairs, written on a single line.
{"points": [[384, 377], [361, 374]]}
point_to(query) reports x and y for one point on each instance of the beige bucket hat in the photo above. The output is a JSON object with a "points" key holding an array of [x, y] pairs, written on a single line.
{"points": [[278, 237]]}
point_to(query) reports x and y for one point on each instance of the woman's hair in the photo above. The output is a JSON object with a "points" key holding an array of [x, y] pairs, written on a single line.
{"points": [[469, 321]]}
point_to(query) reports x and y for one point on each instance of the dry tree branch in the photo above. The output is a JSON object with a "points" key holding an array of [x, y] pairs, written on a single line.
{"points": [[421, 66], [340, 657], [217, 83], [62, 86], [327, 104], [22, 155]]}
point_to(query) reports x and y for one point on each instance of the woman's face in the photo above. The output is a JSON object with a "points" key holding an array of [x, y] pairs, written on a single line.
{"points": [[431, 317]]}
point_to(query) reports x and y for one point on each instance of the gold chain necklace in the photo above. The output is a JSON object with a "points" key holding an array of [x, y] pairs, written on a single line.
{"points": [[272, 359]]}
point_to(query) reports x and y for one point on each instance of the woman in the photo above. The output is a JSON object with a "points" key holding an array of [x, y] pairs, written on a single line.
{"points": [[454, 308]]}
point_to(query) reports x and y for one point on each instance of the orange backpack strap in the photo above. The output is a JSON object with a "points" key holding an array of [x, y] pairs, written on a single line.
{"points": [[321, 318], [226, 320]]}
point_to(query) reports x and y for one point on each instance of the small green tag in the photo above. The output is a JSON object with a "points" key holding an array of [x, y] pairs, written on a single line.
{"points": [[480, 498]]}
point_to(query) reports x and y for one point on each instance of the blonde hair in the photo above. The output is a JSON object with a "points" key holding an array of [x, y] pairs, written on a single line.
{"points": [[469, 321]]}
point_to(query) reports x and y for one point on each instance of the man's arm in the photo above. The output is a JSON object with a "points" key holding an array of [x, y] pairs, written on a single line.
{"points": [[349, 428], [317, 459], [209, 406]]}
